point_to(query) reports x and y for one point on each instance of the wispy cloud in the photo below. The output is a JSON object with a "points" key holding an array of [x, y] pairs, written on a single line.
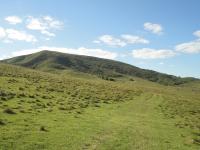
{"points": [[44, 24], [122, 41], [147, 53], [9, 35], [197, 33], [111, 41], [189, 47], [153, 27], [13, 20], [13, 34], [132, 39], [2, 33]]}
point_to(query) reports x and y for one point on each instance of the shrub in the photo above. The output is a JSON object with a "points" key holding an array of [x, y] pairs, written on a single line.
{"points": [[45, 97], [42, 128], [78, 112], [21, 88], [2, 122], [9, 111], [111, 79], [31, 96], [22, 95], [62, 108], [83, 105], [6, 95], [3, 98]]}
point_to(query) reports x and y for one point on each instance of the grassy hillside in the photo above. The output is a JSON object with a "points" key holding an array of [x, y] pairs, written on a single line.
{"points": [[40, 110], [103, 68]]}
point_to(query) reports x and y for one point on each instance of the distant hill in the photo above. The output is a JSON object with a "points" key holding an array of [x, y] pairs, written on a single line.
{"points": [[104, 68]]}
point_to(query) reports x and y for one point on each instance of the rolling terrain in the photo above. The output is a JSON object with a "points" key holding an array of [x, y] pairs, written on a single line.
{"points": [[51, 100], [103, 68]]}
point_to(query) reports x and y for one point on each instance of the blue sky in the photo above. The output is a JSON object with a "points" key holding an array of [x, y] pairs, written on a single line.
{"points": [[158, 35]]}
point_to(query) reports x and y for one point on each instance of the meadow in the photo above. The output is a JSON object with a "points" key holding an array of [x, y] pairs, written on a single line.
{"points": [[73, 110]]}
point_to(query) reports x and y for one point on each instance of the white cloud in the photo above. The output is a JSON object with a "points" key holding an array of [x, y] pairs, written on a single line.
{"points": [[124, 40], [12, 35], [197, 33], [147, 53], [96, 41], [13, 19], [44, 24], [36, 24], [48, 33], [111, 41], [154, 28], [2, 33], [189, 47], [79, 51], [131, 39]]}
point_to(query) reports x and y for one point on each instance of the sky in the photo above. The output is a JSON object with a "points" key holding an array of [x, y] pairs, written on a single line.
{"points": [[159, 35]]}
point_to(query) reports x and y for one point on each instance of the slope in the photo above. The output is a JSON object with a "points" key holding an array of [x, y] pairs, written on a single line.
{"points": [[104, 68], [40, 110]]}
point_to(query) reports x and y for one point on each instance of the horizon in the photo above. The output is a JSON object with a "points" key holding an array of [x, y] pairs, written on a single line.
{"points": [[95, 57], [133, 32]]}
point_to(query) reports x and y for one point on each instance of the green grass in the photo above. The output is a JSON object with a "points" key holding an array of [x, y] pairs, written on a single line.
{"points": [[47, 111]]}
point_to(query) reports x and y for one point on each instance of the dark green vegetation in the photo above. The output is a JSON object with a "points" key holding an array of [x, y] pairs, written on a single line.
{"points": [[106, 69], [68, 109]]}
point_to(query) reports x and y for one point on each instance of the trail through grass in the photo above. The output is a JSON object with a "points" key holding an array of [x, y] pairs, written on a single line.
{"points": [[136, 124]]}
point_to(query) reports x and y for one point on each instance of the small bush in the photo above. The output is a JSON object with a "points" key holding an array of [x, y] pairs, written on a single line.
{"points": [[3, 98], [79, 112], [2, 122], [111, 79], [45, 97], [62, 108], [21, 88], [31, 96], [9, 111], [42, 128], [22, 95], [22, 111]]}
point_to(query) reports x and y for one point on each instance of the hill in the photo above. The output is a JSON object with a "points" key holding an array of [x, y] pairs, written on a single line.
{"points": [[41, 110], [103, 68]]}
